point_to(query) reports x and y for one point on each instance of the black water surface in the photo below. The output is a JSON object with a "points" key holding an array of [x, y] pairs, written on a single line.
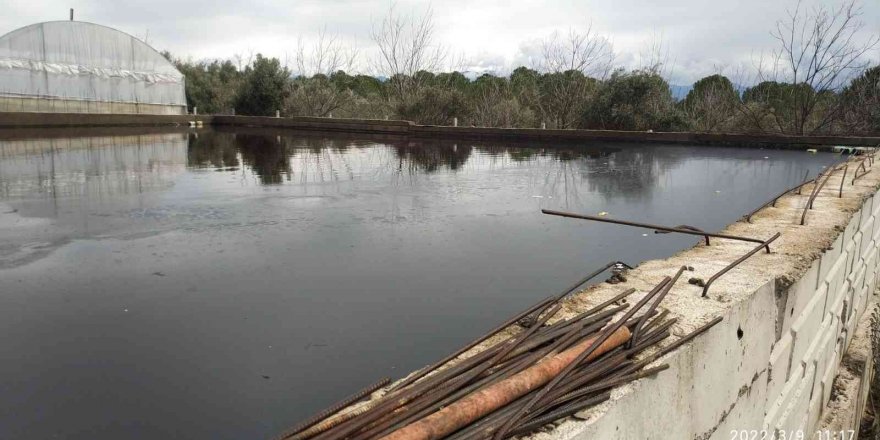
{"points": [[227, 285]]}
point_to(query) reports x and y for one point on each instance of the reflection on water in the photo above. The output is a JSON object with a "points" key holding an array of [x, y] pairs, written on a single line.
{"points": [[225, 284]]}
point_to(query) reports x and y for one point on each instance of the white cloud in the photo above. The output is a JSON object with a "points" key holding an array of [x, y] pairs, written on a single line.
{"points": [[490, 34]]}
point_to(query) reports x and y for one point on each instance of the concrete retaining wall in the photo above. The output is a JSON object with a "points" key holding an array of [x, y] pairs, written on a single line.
{"points": [[769, 368], [13, 119]]}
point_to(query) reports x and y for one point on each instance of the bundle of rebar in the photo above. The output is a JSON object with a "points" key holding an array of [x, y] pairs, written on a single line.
{"points": [[549, 369]]}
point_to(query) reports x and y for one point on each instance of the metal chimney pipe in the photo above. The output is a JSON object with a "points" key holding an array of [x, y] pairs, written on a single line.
{"points": [[71, 14]]}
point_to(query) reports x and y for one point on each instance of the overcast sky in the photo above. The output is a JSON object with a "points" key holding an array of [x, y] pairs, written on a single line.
{"points": [[700, 35]]}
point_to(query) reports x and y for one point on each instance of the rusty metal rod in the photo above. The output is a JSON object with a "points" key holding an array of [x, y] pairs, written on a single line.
{"points": [[529, 319], [588, 352], [471, 345], [736, 262], [649, 226], [553, 307], [637, 331], [489, 399], [572, 334], [561, 413], [330, 423], [813, 196], [609, 383], [487, 426], [772, 202], [798, 187], [669, 348], [842, 179], [692, 228], [339, 406], [490, 424], [856, 175], [818, 189], [656, 320], [595, 370]]}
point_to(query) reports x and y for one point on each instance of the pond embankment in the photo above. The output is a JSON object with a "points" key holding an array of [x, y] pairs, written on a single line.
{"points": [[780, 361], [410, 129]]}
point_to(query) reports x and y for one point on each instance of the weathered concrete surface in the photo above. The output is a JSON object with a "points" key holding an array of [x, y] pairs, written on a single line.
{"points": [[796, 309], [847, 392], [393, 127], [788, 316]]}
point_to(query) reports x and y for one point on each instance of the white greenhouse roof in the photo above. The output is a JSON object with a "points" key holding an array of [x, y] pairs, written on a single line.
{"points": [[85, 61]]}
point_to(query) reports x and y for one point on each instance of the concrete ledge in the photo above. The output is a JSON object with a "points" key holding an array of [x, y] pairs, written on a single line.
{"points": [[789, 319], [27, 119]]}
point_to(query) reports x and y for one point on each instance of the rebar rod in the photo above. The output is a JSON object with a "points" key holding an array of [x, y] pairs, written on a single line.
{"points": [[596, 344], [842, 179], [678, 343], [471, 345], [806, 175], [772, 202], [573, 333], [650, 226], [610, 382], [637, 331], [530, 318], [549, 311], [339, 406], [736, 262], [561, 413], [656, 320]]}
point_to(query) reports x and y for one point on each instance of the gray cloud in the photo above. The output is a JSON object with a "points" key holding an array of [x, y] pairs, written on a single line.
{"points": [[701, 36]]}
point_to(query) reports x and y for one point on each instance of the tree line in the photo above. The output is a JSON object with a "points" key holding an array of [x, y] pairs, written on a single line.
{"points": [[818, 81]]}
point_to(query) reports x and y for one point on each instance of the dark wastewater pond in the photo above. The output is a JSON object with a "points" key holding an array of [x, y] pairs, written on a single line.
{"points": [[227, 285]]}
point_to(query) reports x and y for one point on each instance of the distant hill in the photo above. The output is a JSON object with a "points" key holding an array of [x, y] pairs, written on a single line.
{"points": [[680, 92]]}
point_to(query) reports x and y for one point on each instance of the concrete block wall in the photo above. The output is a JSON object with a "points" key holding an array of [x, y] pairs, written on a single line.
{"points": [[768, 367], [46, 113]]}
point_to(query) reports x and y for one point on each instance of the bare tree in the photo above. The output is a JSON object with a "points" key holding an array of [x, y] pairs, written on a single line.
{"points": [[655, 57], [314, 92], [406, 45], [572, 64], [584, 51], [327, 55], [820, 49]]}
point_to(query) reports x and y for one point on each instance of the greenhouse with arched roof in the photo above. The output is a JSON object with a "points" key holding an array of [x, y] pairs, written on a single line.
{"points": [[79, 67]]}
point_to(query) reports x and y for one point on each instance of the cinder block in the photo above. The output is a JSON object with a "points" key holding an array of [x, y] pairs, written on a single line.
{"points": [[829, 257], [815, 409], [836, 275], [806, 327], [860, 296], [867, 226], [793, 419], [778, 406], [780, 363], [866, 245], [866, 212], [852, 250], [814, 350], [799, 295], [851, 229], [830, 374], [835, 300], [827, 345]]}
